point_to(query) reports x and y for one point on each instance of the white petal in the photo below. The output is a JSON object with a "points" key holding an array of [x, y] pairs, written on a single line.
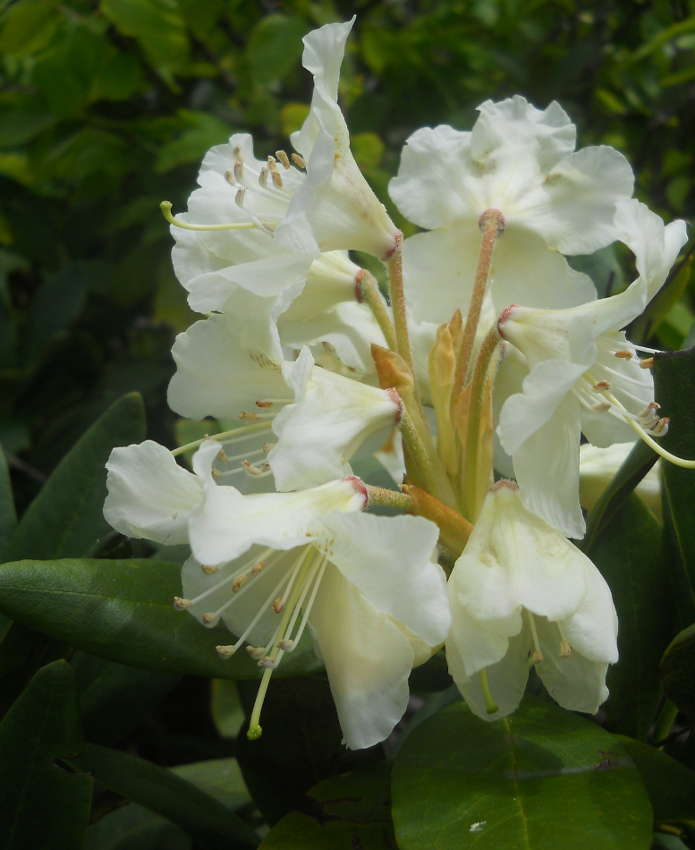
{"points": [[575, 682], [330, 281], [655, 247], [216, 376], [470, 645], [598, 466], [547, 469], [593, 629], [367, 658], [226, 524], [328, 421], [150, 495], [389, 560]]}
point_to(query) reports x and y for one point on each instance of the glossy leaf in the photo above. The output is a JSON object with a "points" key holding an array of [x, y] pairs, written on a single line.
{"points": [[678, 671], [203, 817], [8, 516], [354, 811], [123, 611], [629, 554], [301, 745], [674, 381], [113, 697], [134, 827], [539, 779], [220, 778], [670, 784], [66, 518], [43, 805]]}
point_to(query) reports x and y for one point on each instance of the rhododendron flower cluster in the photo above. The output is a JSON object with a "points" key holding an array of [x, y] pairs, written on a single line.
{"points": [[474, 375]]}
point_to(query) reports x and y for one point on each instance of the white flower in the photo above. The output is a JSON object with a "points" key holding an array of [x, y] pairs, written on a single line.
{"points": [[597, 468], [521, 161], [334, 208], [149, 494], [521, 593], [365, 585], [584, 377], [320, 417]]}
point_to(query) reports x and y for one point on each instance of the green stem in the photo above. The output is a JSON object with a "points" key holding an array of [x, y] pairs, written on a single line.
{"points": [[368, 292], [388, 498]]}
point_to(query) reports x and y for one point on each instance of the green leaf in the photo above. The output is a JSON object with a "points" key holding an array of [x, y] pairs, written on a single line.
{"points": [[604, 268], [44, 806], [658, 308], [134, 827], [204, 818], [540, 779], [635, 466], [678, 671], [8, 515], [354, 811], [301, 745], [123, 611], [670, 784], [113, 697], [275, 47], [66, 518], [220, 778], [22, 117], [674, 382], [28, 27], [202, 132], [159, 29], [629, 554], [225, 707]]}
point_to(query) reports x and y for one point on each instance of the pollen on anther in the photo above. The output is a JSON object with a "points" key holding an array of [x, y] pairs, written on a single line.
{"points": [[277, 180], [284, 159], [208, 570], [264, 404], [208, 618], [624, 355], [602, 407], [263, 177], [268, 446], [600, 386], [298, 160], [239, 583], [215, 473], [229, 177], [278, 605], [222, 456], [239, 198], [537, 656], [257, 568], [181, 604], [565, 649], [237, 152], [247, 416], [256, 652], [239, 170], [286, 645], [226, 651], [647, 363]]}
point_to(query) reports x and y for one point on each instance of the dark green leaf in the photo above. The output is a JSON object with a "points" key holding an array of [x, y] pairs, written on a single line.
{"points": [[8, 516], [113, 697], [604, 268], [135, 828], [670, 784], [670, 293], [431, 676], [220, 778], [301, 745], [635, 466], [540, 779], [66, 518], [678, 671], [353, 811], [629, 554], [275, 47], [162, 792], [43, 806], [674, 381], [28, 27], [201, 133], [123, 611]]}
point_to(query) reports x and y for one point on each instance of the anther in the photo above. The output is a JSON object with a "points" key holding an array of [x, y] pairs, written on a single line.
{"points": [[215, 473], [286, 645], [277, 180], [298, 160], [239, 583], [250, 469], [239, 170], [661, 427], [239, 198], [181, 604], [284, 159], [222, 456], [263, 177], [226, 651], [278, 605], [256, 569], [624, 355], [565, 649], [237, 153], [229, 177], [264, 404], [208, 570], [649, 411], [256, 652], [328, 347], [246, 416], [601, 407], [600, 386], [208, 618], [268, 663], [537, 656], [647, 363], [268, 446]]}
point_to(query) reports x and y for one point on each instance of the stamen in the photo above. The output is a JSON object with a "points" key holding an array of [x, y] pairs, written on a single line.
{"points": [[624, 355], [256, 652], [256, 471], [647, 363], [248, 416], [307, 611], [263, 177], [264, 404], [282, 156], [215, 473], [165, 207], [490, 705], [600, 386], [230, 578], [268, 446], [601, 407], [225, 652], [239, 583], [537, 656], [229, 177], [225, 435], [565, 647], [298, 160], [277, 180], [181, 604], [208, 570], [239, 197], [239, 171]]}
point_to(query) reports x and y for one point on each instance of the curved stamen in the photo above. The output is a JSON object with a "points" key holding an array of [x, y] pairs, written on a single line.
{"points": [[165, 207]]}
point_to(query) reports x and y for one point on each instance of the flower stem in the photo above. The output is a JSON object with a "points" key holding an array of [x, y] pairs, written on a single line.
{"points": [[492, 225], [388, 498], [421, 447], [400, 317], [367, 291]]}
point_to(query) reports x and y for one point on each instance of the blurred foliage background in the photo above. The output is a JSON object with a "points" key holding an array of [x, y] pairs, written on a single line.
{"points": [[106, 108]]}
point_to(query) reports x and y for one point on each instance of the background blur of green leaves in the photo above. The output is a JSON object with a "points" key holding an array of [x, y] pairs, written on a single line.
{"points": [[107, 108]]}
